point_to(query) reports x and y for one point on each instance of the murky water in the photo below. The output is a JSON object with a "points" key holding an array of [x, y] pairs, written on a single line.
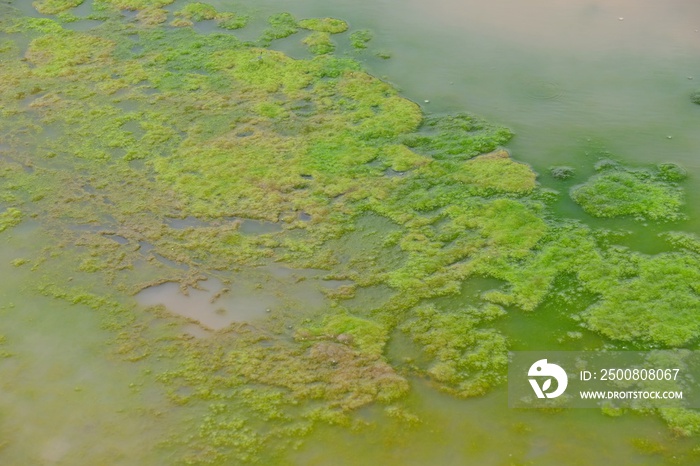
{"points": [[245, 297], [94, 411]]}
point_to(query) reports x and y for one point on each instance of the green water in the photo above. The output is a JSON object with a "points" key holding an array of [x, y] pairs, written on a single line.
{"points": [[573, 83], [65, 398]]}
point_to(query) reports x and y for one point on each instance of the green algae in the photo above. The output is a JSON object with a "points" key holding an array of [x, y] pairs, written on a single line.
{"points": [[497, 173], [668, 281], [368, 336], [52, 7], [319, 43], [457, 136], [197, 11], [132, 4], [360, 38], [682, 239], [281, 25], [400, 158], [328, 25], [383, 54], [216, 129], [467, 360], [562, 173], [10, 218], [67, 53], [152, 16], [669, 171], [621, 192]]}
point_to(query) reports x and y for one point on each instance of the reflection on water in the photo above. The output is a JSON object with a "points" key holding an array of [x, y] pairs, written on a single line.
{"points": [[247, 297], [210, 304]]}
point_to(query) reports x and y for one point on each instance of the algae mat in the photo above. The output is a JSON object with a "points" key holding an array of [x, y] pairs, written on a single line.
{"points": [[390, 248]]}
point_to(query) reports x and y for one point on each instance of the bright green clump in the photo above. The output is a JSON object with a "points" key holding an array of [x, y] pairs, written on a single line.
{"points": [[67, 53], [134, 5], [281, 25], [366, 335], [683, 239], [360, 38], [197, 12], [10, 218], [669, 171], [659, 303], [319, 43], [152, 16], [401, 158], [467, 360], [619, 193], [329, 25], [232, 21], [497, 173], [684, 422], [461, 136], [52, 7]]}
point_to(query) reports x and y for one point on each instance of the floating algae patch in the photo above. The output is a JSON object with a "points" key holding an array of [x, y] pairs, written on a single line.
{"points": [[360, 39], [643, 194], [465, 360], [329, 25], [51, 7], [319, 43], [669, 281], [133, 5], [10, 218], [281, 25], [197, 11], [497, 173], [459, 136]]}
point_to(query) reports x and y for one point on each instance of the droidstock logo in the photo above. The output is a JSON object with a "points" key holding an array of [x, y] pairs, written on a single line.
{"points": [[542, 369]]}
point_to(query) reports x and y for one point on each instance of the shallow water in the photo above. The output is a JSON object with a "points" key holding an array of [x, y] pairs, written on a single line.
{"points": [[485, 431], [94, 411], [246, 297]]}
